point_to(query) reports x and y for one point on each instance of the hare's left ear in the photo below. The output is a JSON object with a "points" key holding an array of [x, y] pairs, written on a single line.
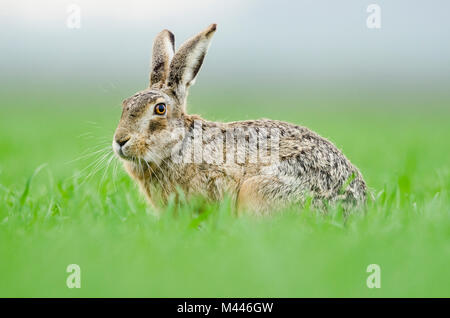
{"points": [[187, 62], [163, 51]]}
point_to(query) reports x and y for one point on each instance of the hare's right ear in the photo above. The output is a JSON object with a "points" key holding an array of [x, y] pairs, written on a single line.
{"points": [[187, 62], [163, 51]]}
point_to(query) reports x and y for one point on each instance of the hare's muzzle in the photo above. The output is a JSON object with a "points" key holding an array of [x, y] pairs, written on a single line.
{"points": [[119, 144]]}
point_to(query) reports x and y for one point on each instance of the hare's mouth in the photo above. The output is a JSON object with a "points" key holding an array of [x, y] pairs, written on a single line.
{"points": [[123, 156], [121, 152], [130, 158]]}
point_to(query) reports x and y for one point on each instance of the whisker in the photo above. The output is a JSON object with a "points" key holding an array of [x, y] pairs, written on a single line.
{"points": [[116, 164], [95, 161], [106, 168], [93, 153], [97, 166], [163, 174]]}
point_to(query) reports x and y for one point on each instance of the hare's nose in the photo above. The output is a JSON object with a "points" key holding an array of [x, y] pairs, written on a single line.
{"points": [[122, 141]]}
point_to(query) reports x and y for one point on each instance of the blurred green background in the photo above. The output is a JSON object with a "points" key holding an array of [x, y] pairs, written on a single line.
{"points": [[380, 97]]}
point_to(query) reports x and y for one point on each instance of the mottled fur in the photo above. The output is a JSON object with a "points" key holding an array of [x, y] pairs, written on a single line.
{"points": [[308, 166]]}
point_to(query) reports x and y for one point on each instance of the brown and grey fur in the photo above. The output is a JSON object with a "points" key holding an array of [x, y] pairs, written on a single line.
{"points": [[309, 166]]}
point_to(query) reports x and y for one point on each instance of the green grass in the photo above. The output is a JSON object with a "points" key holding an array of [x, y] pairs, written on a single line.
{"points": [[52, 215]]}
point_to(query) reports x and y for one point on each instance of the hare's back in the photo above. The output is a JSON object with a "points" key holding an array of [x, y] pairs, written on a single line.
{"points": [[311, 162]]}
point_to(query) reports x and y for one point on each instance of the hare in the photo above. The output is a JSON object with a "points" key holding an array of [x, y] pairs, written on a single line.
{"points": [[167, 150]]}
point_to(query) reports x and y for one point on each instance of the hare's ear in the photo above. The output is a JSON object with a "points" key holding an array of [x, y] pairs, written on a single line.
{"points": [[163, 51], [187, 62]]}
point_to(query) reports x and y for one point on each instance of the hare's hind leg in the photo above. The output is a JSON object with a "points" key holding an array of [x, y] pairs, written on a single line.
{"points": [[260, 195]]}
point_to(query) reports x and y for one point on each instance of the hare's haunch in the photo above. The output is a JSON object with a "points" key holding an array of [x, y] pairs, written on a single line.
{"points": [[263, 164]]}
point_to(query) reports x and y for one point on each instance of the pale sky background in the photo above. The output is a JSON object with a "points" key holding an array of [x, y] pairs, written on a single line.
{"points": [[314, 43]]}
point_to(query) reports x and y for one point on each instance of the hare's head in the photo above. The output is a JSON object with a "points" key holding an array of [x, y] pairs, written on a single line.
{"points": [[151, 117]]}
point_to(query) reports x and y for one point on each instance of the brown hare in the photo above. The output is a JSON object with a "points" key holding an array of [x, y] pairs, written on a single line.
{"points": [[262, 164]]}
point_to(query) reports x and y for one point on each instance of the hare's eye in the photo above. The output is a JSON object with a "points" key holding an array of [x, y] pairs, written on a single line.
{"points": [[160, 109]]}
